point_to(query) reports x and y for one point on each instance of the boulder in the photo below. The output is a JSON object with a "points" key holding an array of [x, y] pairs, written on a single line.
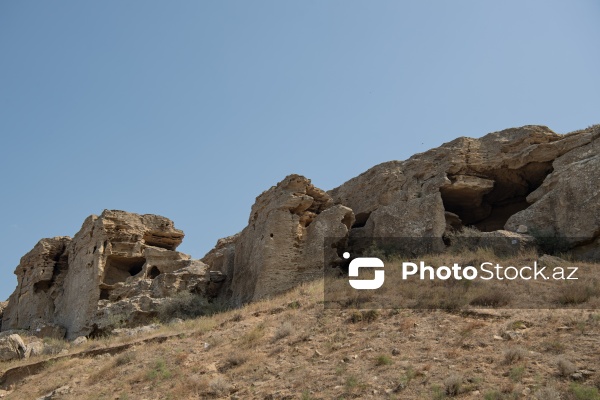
{"points": [[34, 349], [12, 347], [79, 340]]}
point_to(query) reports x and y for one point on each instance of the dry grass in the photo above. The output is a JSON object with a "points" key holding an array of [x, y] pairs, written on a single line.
{"points": [[306, 351]]}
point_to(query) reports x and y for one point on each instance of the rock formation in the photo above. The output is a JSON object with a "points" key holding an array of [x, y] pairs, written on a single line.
{"points": [[122, 266], [118, 266], [282, 245], [530, 177]]}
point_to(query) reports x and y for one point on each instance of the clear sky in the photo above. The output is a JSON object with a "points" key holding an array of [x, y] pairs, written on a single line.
{"points": [[190, 109]]}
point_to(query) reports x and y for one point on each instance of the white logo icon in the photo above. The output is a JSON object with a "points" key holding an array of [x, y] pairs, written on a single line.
{"points": [[365, 262]]}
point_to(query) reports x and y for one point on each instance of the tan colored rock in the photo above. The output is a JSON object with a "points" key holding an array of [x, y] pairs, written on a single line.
{"points": [[282, 245], [481, 182], [110, 263], [565, 206], [39, 278], [3, 305], [12, 347], [34, 349], [222, 258]]}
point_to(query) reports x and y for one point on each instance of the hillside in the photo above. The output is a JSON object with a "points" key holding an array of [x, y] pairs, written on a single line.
{"points": [[291, 347]]}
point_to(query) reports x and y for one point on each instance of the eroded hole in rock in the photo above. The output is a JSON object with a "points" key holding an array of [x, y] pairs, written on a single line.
{"points": [[42, 286], [104, 294], [487, 202], [154, 272], [118, 268], [361, 219]]}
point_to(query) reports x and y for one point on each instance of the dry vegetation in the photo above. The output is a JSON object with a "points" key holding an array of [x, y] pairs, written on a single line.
{"points": [[291, 347]]}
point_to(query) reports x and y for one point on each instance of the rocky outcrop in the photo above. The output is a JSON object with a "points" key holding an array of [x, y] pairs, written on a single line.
{"points": [[282, 245], [565, 205], [3, 305], [118, 266], [529, 177]]}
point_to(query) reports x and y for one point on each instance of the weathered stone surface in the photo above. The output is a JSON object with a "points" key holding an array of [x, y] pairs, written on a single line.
{"points": [[565, 206], [39, 283], [222, 258], [3, 305], [49, 330], [11, 348], [34, 349], [520, 176], [111, 269], [79, 340], [282, 245]]}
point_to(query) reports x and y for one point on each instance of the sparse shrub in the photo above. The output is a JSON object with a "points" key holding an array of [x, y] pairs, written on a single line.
{"points": [[407, 377], [159, 371], [437, 393], [251, 338], [547, 393], [237, 317], [565, 367], [582, 392], [294, 305], [492, 298], [576, 293], [553, 346], [365, 315], [184, 305], [356, 317], [284, 330], [514, 354], [493, 395], [219, 386], [125, 358], [453, 385], [352, 382], [383, 360], [234, 360], [516, 373]]}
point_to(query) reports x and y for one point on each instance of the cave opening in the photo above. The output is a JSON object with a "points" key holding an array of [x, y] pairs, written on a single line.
{"points": [[487, 201], [154, 272], [361, 219], [119, 268]]}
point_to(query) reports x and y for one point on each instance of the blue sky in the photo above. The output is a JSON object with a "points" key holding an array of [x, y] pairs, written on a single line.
{"points": [[190, 109]]}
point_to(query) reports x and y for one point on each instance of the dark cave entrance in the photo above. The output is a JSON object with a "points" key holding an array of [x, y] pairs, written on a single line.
{"points": [[154, 272], [488, 200], [119, 268]]}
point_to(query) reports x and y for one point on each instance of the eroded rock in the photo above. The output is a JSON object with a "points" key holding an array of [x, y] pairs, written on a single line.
{"points": [[117, 267], [520, 177], [12, 347], [282, 245]]}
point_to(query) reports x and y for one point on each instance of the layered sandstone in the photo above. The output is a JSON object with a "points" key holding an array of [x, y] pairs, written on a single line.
{"points": [[528, 177], [282, 245], [120, 265]]}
